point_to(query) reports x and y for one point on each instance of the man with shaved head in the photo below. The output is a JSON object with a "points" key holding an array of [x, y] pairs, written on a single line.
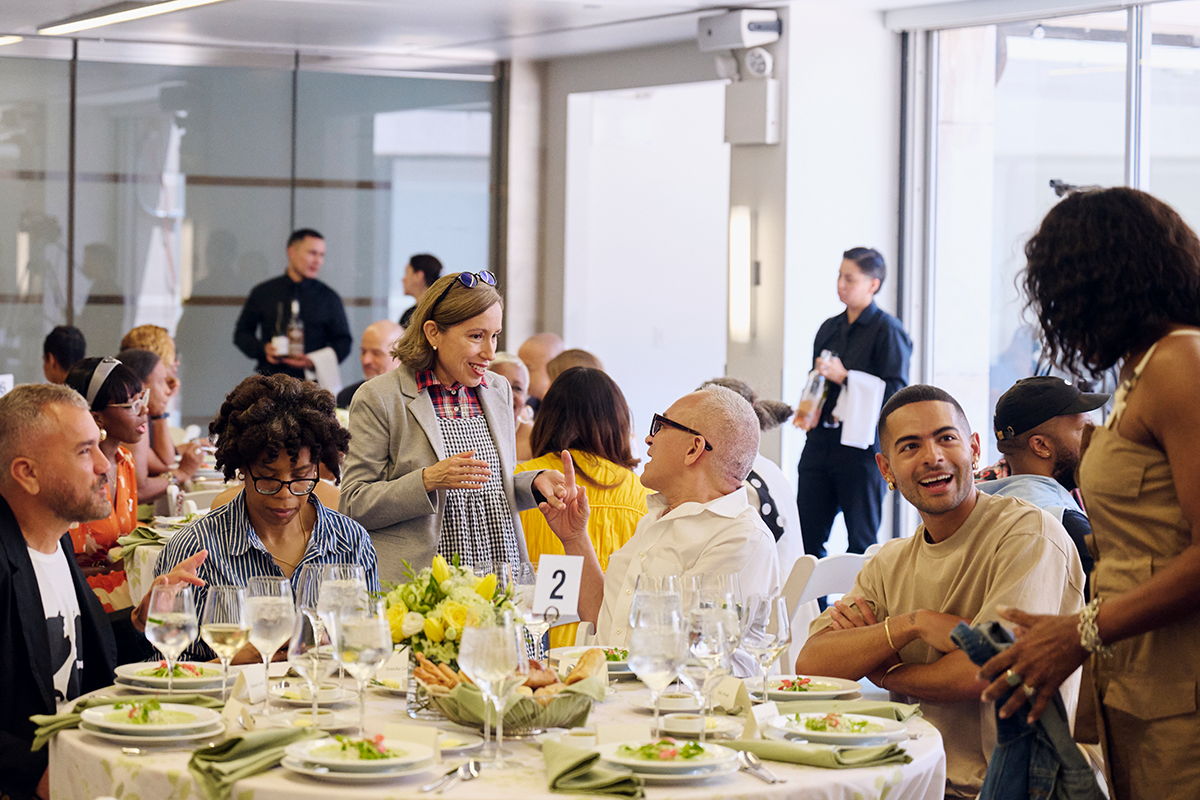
{"points": [[699, 521], [537, 352], [971, 553], [375, 353]]}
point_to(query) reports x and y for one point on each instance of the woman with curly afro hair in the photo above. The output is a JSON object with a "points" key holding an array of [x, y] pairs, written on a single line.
{"points": [[273, 432], [1114, 277]]}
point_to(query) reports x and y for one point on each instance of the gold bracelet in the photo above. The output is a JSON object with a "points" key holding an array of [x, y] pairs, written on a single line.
{"points": [[883, 679], [888, 631]]}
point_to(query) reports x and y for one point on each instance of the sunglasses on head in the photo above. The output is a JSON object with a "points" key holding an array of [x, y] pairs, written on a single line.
{"points": [[659, 420], [467, 279]]}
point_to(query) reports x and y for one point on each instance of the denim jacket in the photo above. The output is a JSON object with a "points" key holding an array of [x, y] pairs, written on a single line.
{"points": [[1030, 761]]}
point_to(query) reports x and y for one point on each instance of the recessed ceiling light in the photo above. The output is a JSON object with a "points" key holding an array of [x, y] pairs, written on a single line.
{"points": [[10, 40], [118, 12]]}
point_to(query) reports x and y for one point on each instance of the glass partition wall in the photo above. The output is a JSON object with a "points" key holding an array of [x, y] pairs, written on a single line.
{"points": [[1010, 108], [189, 169]]}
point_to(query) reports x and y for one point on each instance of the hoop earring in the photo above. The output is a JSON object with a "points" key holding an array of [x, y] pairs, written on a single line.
{"points": [[891, 485]]}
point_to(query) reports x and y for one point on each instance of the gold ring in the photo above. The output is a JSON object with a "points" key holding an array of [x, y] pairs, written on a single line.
{"points": [[1029, 690], [1012, 678]]}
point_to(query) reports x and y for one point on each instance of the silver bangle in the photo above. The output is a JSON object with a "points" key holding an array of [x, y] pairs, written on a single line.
{"points": [[1089, 632]]}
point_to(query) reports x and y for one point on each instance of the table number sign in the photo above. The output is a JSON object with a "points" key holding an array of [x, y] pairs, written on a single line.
{"points": [[558, 579]]}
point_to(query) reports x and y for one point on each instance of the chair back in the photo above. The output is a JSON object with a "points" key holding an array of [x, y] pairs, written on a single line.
{"points": [[873, 549], [833, 575]]}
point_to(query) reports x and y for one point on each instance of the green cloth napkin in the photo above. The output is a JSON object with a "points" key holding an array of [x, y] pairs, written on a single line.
{"points": [[822, 755], [870, 708], [50, 724], [574, 771], [141, 535], [216, 769], [569, 709]]}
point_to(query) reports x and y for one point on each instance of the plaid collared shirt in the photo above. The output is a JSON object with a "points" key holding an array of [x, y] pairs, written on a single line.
{"points": [[456, 401]]}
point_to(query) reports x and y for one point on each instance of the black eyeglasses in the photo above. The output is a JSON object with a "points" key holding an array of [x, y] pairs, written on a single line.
{"points": [[659, 420], [271, 486], [467, 279]]}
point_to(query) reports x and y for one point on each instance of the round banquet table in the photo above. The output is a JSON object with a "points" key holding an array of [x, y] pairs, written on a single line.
{"points": [[83, 767]]}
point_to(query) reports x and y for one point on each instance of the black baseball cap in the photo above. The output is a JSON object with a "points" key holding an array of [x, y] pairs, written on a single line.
{"points": [[1032, 401]]}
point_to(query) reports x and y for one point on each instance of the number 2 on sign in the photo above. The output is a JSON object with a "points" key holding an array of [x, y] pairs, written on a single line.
{"points": [[558, 581]]}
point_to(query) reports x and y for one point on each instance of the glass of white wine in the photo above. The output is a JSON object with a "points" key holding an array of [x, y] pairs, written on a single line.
{"points": [[270, 611], [363, 642], [658, 646], [171, 623], [224, 627], [768, 632]]}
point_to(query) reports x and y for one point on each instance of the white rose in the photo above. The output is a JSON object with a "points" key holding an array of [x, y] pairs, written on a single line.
{"points": [[412, 622]]}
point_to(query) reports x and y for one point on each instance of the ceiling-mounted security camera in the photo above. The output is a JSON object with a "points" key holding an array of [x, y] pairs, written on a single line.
{"points": [[759, 63], [738, 30]]}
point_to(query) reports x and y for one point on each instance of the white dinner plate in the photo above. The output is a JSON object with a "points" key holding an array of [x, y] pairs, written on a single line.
{"points": [[210, 677], [887, 730], [199, 718], [646, 703], [324, 774], [295, 693], [130, 739], [142, 688], [718, 756], [569, 655], [454, 742], [330, 722], [398, 691], [828, 688], [412, 754], [659, 778]]}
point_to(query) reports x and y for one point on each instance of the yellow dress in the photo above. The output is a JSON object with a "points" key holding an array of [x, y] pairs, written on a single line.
{"points": [[614, 516]]}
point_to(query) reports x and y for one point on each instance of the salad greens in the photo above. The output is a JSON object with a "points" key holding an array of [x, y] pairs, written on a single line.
{"points": [[616, 654], [367, 749], [139, 713], [664, 749], [181, 671], [803, 685], [834, 722]]}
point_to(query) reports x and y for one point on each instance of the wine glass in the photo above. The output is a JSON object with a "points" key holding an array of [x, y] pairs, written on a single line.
{"points": [[306, 657], [721, 592], [341, 585], [650, 586], [363, 642], [223, 626], [494, 658], [525, 584], [709, 651], [270, 612], [171, 623], [657, 645], [768, 632]]}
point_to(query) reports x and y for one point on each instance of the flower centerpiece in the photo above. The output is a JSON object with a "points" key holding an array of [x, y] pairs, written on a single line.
{"points": [[427, 613]]}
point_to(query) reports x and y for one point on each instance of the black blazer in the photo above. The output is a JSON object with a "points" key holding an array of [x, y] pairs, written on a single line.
{"points": [[26, 683]]}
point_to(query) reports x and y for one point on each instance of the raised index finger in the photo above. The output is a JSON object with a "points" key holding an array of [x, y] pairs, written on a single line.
{"points": [[568, 468]]}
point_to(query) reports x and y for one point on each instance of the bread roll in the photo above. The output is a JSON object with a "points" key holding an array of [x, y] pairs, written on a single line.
{"points": [[589, 664], [547, 693], [538, 676]]}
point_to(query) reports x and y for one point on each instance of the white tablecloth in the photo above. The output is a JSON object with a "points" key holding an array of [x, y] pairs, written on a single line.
{"points": [[83, 767]]}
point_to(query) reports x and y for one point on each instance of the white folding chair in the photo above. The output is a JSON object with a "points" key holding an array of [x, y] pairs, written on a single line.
{"points": [[873, 549], [812, 578]]}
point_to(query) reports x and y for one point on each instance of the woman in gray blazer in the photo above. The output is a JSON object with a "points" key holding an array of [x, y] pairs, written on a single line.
{"points": [[432, 447]]}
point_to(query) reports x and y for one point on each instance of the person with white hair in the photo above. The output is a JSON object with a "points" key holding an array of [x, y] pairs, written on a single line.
{"points": [[699, 521]]}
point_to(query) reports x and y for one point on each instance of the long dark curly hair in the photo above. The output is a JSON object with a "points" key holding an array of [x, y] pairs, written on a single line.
{"points": [[269, 414], [1108, 273]]}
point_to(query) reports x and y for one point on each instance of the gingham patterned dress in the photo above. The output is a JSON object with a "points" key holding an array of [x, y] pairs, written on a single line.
{"points": [[476, 523]]}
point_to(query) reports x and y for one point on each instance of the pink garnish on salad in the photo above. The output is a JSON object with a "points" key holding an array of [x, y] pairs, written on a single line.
{"points": [[378, 740]]}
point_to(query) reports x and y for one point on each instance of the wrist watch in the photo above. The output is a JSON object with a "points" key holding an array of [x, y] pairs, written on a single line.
{"points": [[158, 416]]}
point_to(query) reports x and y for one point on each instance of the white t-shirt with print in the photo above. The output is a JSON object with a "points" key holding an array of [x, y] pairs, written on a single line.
{"points": [[63, 622]]}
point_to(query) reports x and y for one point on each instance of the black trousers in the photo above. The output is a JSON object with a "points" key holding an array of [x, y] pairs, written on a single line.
{"points": [[833, 478]]}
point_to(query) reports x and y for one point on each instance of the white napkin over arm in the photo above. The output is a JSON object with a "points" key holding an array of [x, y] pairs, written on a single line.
{"points": [[325, 369], [858, 408]]}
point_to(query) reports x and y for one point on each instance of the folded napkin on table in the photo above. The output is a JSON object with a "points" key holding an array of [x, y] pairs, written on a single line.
{"points": [[216, 769], [467, 702], [141, 535], [574, 771], [50, 724], [900, 712], [822, 755]]}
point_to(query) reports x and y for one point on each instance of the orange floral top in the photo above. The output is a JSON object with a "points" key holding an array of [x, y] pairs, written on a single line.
{"points": [[93, 540]]}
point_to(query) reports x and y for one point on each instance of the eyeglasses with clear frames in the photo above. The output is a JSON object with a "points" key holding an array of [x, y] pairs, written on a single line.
{"points": [[137, 405], [659, 420], [271, 486]]}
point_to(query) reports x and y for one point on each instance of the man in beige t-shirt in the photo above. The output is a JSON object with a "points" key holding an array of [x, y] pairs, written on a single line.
{"points": [[971, 553]]}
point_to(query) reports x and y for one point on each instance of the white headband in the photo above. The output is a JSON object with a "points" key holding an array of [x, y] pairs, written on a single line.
{"points": [[99, 376]]}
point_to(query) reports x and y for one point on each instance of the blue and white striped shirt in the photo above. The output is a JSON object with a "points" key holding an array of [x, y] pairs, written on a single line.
{"points": [[235, 553]]}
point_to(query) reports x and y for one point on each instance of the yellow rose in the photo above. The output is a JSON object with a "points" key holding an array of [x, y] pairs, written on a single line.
{"points": [[433, 630], [454, 615], [441, 570], [395, 618], [486, 587]]}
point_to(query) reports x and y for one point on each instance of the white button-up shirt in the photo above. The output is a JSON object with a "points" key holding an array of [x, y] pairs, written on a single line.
{"points": [[722, 535]]}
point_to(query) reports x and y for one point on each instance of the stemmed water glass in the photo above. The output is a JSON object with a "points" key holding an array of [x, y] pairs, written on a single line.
{"points": [[224, 627], [652, 586], [363, 642], [768, 632], [341, 586], [306, 656], [525, 584], [709, 651], [657, 644], [171, 623], [270, 611], [494, 658]]}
